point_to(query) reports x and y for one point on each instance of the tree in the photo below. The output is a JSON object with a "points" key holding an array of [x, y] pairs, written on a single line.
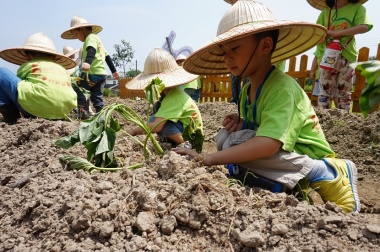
{"points": [[132, 73], [124, 55]]}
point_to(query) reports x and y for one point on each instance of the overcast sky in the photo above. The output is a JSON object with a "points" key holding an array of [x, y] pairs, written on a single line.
{"points": [[145, 23]]}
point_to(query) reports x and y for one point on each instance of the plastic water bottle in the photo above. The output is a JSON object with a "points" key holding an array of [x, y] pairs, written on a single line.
{"points": [[331, 55]]}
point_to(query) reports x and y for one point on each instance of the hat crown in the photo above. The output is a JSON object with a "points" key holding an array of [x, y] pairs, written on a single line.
{"points": [[180, 57], [244, 11], [77, 21], [40, 40], [159, 61], [67, 50]]}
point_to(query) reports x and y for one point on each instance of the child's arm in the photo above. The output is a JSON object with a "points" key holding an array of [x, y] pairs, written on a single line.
{"points": [[112, 67], [255, 148], [359, 29]]}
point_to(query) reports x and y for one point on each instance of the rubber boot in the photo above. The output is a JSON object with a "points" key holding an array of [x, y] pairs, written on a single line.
{"points": [[98, 109], [83, 111], [10, 113]]}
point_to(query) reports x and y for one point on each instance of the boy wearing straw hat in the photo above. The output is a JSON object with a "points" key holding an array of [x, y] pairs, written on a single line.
{"points": [[343, 20], [277, 135], [177, 108], [93, 71], [42, 87]]}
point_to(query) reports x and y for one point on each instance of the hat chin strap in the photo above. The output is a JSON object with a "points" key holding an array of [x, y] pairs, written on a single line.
{"points": [[238, 78]]}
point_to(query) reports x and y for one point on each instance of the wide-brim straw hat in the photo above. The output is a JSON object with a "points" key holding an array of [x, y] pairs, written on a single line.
{"points": [[180, 58], [78, 22], [321, 4], [160, 64], [38, 42], [69, 51], [246, 18]]}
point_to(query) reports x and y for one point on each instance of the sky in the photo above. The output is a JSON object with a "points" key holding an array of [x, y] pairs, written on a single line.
{"points": [[145, 24]]}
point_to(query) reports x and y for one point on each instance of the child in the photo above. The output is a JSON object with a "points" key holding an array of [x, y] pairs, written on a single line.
{"points": [[175, 102], [193, 87], [343, 19], [42, 87], [278, 135], [70, 52], [93, 71]]}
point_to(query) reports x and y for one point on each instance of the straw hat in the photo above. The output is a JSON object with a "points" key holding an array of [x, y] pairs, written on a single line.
{"points": [[228, 1], [180, 58], [246, 18], [161, 64], [321, 4], [37, 42], [78, 22], [69, 51]]}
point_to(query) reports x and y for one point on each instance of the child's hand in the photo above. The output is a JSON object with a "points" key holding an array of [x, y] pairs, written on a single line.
{"points": [[115, 75], [85, 66], [230, 123], [185, 151]]}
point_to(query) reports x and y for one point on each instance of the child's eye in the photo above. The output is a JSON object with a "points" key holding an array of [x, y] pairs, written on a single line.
{"points": [[234, 48]]}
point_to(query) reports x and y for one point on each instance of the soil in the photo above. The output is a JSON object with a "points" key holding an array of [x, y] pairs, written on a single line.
{"points": [[173, 203]]}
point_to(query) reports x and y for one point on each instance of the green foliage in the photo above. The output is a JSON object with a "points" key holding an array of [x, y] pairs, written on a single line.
{"points": [[370, 96], [153, 90], [98, 135], [303, 191], [79, 163], [123, 56], [132, 73]]}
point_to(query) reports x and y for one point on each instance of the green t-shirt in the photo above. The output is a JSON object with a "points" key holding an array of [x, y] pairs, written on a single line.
{"points": [[178, 104], [97, 66], [195, 84], [346, 17], [284, 113], [45, 89]]}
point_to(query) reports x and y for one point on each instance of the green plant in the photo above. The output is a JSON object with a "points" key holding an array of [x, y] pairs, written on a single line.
{"points": [[303, 189], [98, 133], [370, 96]]}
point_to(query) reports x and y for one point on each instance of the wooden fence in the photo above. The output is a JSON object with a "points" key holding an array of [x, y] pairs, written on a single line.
{"points": [[218, 88]]}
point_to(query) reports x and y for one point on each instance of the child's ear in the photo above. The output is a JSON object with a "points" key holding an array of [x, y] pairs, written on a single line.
{"points": [[267, 45]]}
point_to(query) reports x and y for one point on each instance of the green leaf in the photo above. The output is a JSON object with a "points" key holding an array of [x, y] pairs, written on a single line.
{"points": [[153, 90], [68, 141]]}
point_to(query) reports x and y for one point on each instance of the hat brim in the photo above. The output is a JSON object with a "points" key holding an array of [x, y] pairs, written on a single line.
{"points": [[17, 56], [321, 4], [294, 38], [172, 78], [68, 35]]}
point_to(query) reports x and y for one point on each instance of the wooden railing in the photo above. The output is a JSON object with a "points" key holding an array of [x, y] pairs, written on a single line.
{"points": [[218, 88]]}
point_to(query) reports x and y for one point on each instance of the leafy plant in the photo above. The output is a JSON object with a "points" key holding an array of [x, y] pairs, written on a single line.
{"points": [[98, 133], [370, 96]]}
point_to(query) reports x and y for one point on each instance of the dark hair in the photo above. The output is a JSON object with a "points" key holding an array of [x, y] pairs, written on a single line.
{"points": [[273, 34], [331, 3]]}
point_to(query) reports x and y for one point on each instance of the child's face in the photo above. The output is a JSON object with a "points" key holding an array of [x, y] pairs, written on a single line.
{"points": [[237, 55], [79, 33]]}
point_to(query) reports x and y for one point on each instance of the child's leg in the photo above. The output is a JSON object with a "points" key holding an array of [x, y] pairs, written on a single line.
{"points": [[171, 130], [327, 81], [344, 85], [97, 94]]}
